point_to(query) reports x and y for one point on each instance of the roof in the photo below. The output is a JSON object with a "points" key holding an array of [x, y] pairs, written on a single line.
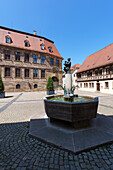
{"points": [[98, 59], [18, 40], [72, 68], [75, 66]]}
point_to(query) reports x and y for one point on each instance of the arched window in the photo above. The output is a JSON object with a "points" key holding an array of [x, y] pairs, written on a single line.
{"points": [[18, 86], [55, 79], [8, 39], [27, 44], [35, 86]]}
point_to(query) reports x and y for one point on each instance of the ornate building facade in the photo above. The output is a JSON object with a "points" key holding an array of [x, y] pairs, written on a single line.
{"points": [[96, 73], [27, 60]]}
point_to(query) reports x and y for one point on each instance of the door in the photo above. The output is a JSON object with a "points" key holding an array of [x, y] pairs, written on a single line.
{"points": [[98, 86]]}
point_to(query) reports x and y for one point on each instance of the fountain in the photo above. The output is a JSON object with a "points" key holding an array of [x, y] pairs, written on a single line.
{"points": [[78, 110], [68, 111]]}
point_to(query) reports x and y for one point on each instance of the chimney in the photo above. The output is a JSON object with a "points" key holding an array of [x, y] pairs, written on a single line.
{"points": [[34, 32]]}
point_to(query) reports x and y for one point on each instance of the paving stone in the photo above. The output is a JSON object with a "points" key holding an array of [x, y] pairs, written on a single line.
{"points": [[19, 151]]}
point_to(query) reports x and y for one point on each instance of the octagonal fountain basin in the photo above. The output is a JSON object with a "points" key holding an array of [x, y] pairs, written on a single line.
{"points": [[78, 112]]}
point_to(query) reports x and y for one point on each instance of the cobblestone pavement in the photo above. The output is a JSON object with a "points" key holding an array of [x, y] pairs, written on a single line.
{"points": [[19, 151]]}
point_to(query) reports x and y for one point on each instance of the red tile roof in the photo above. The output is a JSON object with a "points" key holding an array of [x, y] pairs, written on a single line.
{"points": [[18, 38], [98, 59], [74, 67]]}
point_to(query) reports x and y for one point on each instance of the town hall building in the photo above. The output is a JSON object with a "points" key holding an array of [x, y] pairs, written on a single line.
{"points": [[28, 60]]}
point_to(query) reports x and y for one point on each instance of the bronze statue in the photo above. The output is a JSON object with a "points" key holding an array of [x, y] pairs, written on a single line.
{"points": [[67, 66]]}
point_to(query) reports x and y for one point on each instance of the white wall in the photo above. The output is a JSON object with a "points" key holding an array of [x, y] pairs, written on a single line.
{"points": [[102, 86], [74, 78], [106, 90], [87, 89]]}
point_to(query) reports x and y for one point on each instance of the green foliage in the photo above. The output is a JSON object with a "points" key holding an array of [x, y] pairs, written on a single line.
{"points": [[50, 85], [1, 85]]}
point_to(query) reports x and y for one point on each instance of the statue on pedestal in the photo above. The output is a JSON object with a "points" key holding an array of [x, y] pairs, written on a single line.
{"points": [[68, 89]]}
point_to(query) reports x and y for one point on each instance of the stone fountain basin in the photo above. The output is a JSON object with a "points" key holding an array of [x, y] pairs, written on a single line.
{"points": [[78, 113]]}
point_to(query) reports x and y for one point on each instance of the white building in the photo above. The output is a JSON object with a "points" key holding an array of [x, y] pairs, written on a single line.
{"points": [[96, 73], [74, 70]]}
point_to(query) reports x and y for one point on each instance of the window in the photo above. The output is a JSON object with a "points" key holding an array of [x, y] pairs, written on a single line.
{"points": [[79, 75], [7, 55], [80, 85], [27, 43], [100, 72], [42, 73], [57, 62], [42, 59], [107, 70], [42, 47], [50, 49], [92, 85], [8, 40], [89, 85], [17, 56], [7, 72], [26, 59], [51, 61], [18, 86], [96, 73], [112, 69], [35, 73], [89, 74], [35, 58], [85, 85], [26, 72], [106, 85], [17, 72], [35, 86]]}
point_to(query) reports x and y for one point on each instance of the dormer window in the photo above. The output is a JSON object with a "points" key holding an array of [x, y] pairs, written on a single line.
{"points": [[50, 49], [42, 47], [8, 40], [109, 58], [27, 43]]}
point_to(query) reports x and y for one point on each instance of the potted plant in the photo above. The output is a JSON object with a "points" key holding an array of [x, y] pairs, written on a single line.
{"points": [[50, 86], [2, 93]]}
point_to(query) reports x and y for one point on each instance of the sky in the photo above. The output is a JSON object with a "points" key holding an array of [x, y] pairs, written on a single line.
{"points": [[78, 27]]}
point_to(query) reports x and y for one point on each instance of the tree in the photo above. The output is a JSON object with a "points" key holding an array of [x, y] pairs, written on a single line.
{"points": [[50, 85], [1, 85]]}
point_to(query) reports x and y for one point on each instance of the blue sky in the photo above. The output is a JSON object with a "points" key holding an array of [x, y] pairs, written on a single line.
{"points": [[78, 27]]}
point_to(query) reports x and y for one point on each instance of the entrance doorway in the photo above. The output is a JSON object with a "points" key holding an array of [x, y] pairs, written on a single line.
{"points": [[98, 86], [55, 81]]}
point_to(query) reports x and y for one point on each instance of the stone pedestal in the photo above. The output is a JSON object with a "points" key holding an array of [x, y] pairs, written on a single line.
{"points": [[68, 82]]}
